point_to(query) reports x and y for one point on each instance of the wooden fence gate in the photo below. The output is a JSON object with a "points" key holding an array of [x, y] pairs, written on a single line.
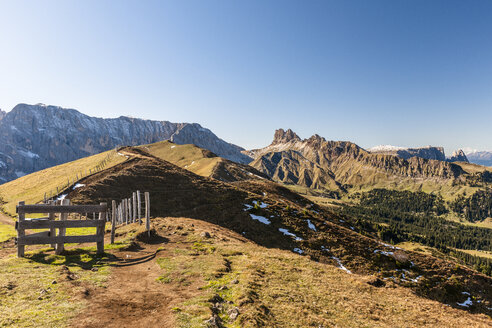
{"points": [[50, 222]]}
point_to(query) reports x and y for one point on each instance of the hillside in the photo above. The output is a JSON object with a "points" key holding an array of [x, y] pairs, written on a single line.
{"points": [[202, 162], [259, 232], [35, 137]]}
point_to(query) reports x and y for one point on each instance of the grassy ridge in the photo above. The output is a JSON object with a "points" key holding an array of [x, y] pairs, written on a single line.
{"points": [[31, 188], [188, 157]]}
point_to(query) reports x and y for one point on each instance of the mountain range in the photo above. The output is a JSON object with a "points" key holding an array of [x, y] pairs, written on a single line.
{"points": [[480, 157], [34, 137]]}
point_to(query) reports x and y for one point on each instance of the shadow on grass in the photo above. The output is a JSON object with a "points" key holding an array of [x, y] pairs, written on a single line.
{"points": [[87, 258]]}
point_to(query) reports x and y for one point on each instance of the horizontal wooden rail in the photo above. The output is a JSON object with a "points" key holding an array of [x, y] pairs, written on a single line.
{"points": [[61, 224], [42, 208], [35, 240]]}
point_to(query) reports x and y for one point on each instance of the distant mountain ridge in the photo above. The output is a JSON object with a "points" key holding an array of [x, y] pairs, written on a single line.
{"points": [[321, 164], [34, 137], [480, 157], [428, 152]]}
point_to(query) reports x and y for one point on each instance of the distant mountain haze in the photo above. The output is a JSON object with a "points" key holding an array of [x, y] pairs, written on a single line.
{"points": [[34, 137], [480, 157]]}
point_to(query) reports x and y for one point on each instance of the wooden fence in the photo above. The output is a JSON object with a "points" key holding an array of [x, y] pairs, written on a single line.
{"points": [[128, 210], [50, 237]]}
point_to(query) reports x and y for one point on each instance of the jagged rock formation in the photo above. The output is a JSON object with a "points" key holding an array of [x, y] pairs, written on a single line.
{"points": [[429, 152], [2, 114], [321, 164], [34, 137], [480, 157], [458, 156]]}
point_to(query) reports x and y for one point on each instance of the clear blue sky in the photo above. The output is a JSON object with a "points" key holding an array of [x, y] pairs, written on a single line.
{"points": [[408, 73]]}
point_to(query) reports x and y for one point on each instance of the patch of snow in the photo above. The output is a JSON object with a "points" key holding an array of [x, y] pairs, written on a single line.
{"points": [[261, 204], [19, 174], [288, 233], [298, 250], [311, 225], [27, 153], [352, 228], [466, 303], [248, 207], [78, 185], [383, 252], [173, 147], [465, 293], [61, 197], [122, 155], [385, 148], [262, 219], [341, 221], [340, 265]]}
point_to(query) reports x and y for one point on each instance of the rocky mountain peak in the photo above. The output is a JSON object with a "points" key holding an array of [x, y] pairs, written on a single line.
{"points": [[34, 137], [282, 136], [458, 156]]}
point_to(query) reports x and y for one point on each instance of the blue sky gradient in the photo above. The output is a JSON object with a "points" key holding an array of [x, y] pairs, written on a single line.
{"points": [[407, 73]]}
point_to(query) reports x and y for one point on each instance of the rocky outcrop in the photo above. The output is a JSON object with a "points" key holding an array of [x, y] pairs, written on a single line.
{"points": [[321, 164], [2, 114], [458, 156], [34, 137]]}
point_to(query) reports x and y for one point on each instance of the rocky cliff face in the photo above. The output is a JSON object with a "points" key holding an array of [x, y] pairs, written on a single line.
{"points": [[34, 137], [429, 152], [318, 163], [458, 156], [2, 114]]}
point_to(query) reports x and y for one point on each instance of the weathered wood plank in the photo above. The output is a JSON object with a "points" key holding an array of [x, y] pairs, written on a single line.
{"points": [[139, 207], [52, 218], [100, 230], [113, 221], [39, 234], [26, 240], [147, 211], [134, 196], [61, 232], [20, 232], [61, 224], [41, 208]]}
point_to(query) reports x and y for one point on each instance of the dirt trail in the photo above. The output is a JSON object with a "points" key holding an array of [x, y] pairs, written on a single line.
{"points": [[133, 297]]}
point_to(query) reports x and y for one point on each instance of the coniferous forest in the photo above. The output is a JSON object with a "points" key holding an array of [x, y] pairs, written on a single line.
{"points": [[398, 216]]}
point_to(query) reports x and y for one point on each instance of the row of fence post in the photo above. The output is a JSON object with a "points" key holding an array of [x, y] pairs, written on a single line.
{"points": [[129, 210], [83, 174]]}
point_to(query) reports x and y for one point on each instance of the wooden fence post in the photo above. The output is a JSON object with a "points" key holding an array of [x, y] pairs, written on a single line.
{"points": [[113, 220], [127, 211], [130, 210], [20, 232], [100, 231], [139, 207], [134, 195], [147, 211], [51, 217], [62, 231]]}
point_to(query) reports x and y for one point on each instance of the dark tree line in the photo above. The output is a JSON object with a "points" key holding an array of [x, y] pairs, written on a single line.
{"points": [[476, 207], [397, 216]]}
